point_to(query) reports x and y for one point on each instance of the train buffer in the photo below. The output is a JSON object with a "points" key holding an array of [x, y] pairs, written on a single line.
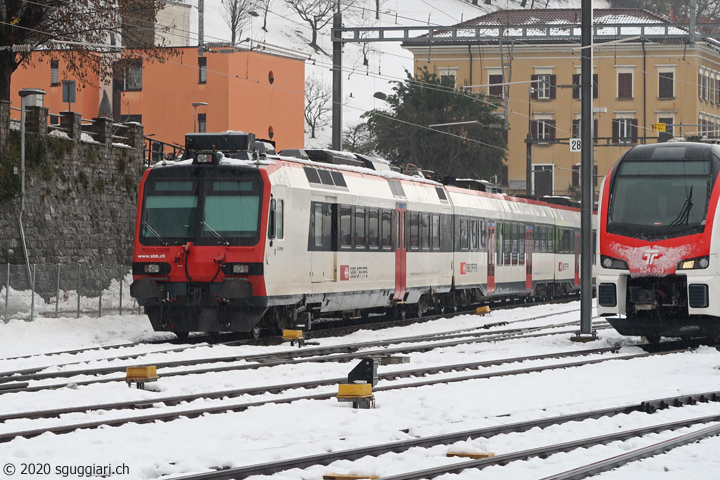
{"points": [[141, 375]]}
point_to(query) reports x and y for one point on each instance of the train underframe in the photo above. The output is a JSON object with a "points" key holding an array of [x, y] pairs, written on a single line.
{"points": [[216, 307], [657, 307]]}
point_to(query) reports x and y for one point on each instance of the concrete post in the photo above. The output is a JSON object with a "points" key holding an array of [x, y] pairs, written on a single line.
{"points": [[36, 119], [72, 124]]}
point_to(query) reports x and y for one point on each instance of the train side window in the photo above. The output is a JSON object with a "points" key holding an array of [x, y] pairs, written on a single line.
{"points": [[386, 229], [464, 235], [498, 244], [373, 228], [279, 219], [318, 225], [360, 240], [483, 235], [522, 233], [436, 232], [414, 231], [507, 247], [345, 227], [425, 231], [473, 235], [514, 234]]}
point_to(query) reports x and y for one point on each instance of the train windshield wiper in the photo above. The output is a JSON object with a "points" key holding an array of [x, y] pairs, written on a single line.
{"points": [[217, 235], [152, 230], [684, 215]]}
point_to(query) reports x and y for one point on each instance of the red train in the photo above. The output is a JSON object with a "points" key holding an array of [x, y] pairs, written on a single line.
{"points": [[246, 239], [657, 265]]}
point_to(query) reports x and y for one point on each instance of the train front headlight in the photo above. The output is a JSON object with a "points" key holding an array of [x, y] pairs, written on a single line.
{"points": [[694, 263], [614, 263]]}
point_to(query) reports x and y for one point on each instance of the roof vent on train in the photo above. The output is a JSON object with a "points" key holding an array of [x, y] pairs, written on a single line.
{"points": [[240, 145]]}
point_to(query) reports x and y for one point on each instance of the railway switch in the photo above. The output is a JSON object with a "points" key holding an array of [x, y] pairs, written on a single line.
{"points": [[358, 390], [293, 336]]}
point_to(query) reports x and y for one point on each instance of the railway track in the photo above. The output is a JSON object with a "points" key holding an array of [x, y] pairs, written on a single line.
{"points": [[11, 382], [171, 414], [649, 407]]}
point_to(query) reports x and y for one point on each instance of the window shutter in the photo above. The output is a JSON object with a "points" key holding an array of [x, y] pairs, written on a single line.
{"points": [[634, 130], [576, 85], [576, 175], [551, 128], [616, 130], [534, 129], [625, 85], [595, 85], [553, 83], [595, 131], [576, 128], [534, 94]]}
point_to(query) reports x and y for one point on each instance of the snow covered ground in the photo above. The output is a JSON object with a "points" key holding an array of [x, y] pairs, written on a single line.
{"points": [[281, 431]]}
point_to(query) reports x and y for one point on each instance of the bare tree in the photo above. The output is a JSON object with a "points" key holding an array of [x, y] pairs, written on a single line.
{"points": [[236, 14], [264, 5], [74, 30], [318, 104], [317, 13]]}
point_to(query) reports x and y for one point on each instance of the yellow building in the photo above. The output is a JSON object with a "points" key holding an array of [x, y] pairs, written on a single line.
{"points": [[655, 74]]}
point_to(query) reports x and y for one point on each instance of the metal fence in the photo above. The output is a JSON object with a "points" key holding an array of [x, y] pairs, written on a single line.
{"points": [[65, 290]]}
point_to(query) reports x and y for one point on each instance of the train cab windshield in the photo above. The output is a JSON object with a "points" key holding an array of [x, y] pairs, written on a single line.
{"points": [[662, 194], [202, 210]]}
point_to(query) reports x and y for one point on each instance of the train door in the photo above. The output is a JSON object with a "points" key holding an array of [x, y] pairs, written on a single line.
{"points": [[577, 258], [323, 256], [490, 258], [528, 261], [400, 252]]}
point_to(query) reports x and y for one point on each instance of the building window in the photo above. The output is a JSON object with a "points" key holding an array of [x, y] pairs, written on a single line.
{"points": [[543, 86], [577, 177], [624, 130], [577, 93], [666, 85], [543, 129], [202, 122], [711, 89], [668, 133], [202, 68], [496, 88], [700, 85], [577, 132], [625, 86], [54, 73], [447, 76], [129, 75]]}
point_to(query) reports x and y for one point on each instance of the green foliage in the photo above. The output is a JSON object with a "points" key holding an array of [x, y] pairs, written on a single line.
{"points": [[402, 135]]}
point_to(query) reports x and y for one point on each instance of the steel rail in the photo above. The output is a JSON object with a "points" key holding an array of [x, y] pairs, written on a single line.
{"points": [[306, 385], [36, 374], [553, 449], [446, 439], [586, 471], [322, 357], [191, 413]]}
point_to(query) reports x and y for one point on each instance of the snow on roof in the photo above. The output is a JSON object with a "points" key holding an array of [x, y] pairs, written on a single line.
{"points": [[524, 18]]}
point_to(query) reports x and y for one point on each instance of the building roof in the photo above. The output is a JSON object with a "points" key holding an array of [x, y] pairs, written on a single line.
{"points": [[555, 25]]}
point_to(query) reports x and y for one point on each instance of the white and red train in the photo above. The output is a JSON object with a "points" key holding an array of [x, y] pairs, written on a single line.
{"points": [[659, 238], [251, 242]]}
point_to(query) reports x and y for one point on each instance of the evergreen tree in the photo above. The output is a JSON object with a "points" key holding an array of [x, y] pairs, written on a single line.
{"points": [[403, 136]]}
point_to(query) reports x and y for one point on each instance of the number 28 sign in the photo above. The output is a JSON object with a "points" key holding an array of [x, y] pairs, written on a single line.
{"points": [[575, 145]]}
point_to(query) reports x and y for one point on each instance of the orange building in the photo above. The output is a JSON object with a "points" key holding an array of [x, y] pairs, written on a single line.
{"points": [[244, 91]]}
